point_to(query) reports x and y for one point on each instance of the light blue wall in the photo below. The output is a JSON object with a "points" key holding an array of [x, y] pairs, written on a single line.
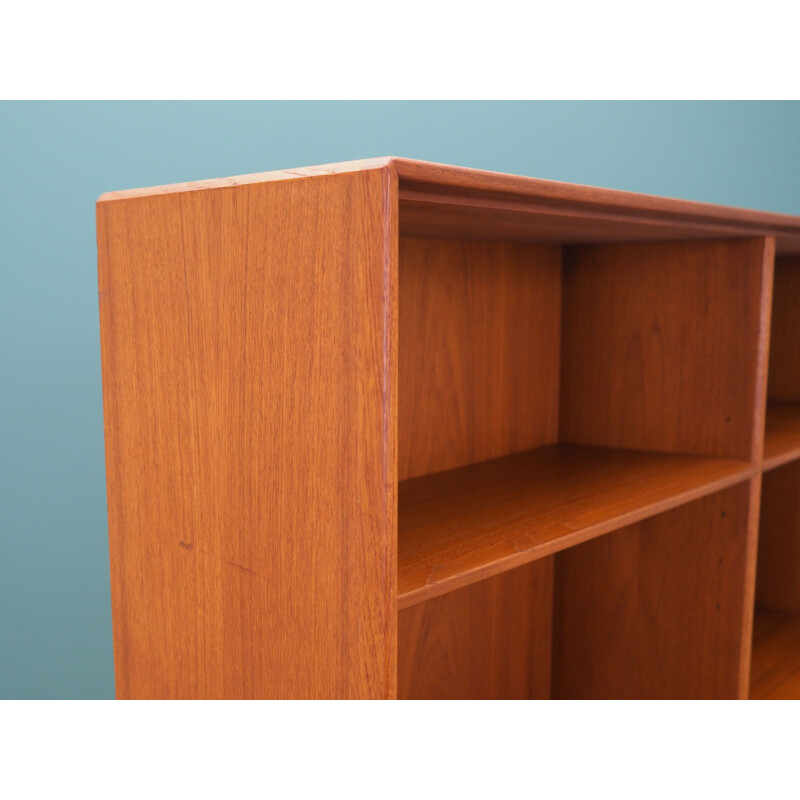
{"points": [[56, 158]]}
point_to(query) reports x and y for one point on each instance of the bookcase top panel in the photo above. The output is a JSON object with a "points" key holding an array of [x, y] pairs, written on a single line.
{"points": [[446, 201]]}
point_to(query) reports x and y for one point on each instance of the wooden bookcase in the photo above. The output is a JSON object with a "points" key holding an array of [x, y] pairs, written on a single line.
{"points": [[395, 429]]}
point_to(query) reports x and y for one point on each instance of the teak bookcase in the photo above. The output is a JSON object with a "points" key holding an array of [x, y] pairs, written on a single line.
{"points": [[394, 429]]}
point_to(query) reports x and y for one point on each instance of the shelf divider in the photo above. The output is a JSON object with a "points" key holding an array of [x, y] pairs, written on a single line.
{"points": [[464, 525]]}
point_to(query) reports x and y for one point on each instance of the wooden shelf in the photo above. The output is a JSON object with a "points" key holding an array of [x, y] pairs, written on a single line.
{"points": [[782, 435], [463, 525], [775, 667]]}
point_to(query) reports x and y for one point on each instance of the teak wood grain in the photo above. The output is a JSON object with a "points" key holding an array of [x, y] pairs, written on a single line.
{"points": [[249, 357], [663, 346], [778, 584], [656, 610], [511, 221], [491, 640], [467, 188], [776, 657], [461, 526], [782, 434], [335, 392], [478, 342], [784, 356], [571, 212]]}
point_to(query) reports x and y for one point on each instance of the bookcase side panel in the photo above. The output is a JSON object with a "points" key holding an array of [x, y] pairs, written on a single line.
{"points": [[249, 358]]}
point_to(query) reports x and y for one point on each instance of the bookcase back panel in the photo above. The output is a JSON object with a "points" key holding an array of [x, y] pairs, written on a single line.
{"points": [[778, 584], [784, 354], [664, 346], [491, 640], [478, 351], [658, 609]]}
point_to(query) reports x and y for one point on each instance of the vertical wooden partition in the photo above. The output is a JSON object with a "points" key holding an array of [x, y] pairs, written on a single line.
{"points": [[664, 348]]}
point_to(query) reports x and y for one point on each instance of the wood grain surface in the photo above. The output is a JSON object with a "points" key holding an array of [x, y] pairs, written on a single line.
{"points": [[468, 188], [778, 585], [448, 217], [776, 657], [656, 610], [782, 434], [664, 346], [249, 370], [461, 526], [438, 200], [491, 640], [784, 355], [529, 415], [479, 351]]}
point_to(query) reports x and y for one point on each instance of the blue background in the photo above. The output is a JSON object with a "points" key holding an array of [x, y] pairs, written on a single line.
{"points": [[56, 158]]}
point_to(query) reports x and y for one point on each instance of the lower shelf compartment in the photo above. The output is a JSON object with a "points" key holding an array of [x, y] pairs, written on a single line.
{"points": [[775, 666], [782, 434], [464, 525]]}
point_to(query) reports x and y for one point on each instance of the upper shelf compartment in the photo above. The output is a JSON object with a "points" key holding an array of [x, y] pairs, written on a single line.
{"points": [[549, 394], [508, 347]]}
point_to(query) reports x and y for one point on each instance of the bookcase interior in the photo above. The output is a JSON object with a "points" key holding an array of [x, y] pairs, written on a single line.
{"points": [[577, 439]]}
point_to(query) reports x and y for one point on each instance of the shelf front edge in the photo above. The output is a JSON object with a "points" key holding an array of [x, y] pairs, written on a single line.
{"points": [[412, 591]]}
